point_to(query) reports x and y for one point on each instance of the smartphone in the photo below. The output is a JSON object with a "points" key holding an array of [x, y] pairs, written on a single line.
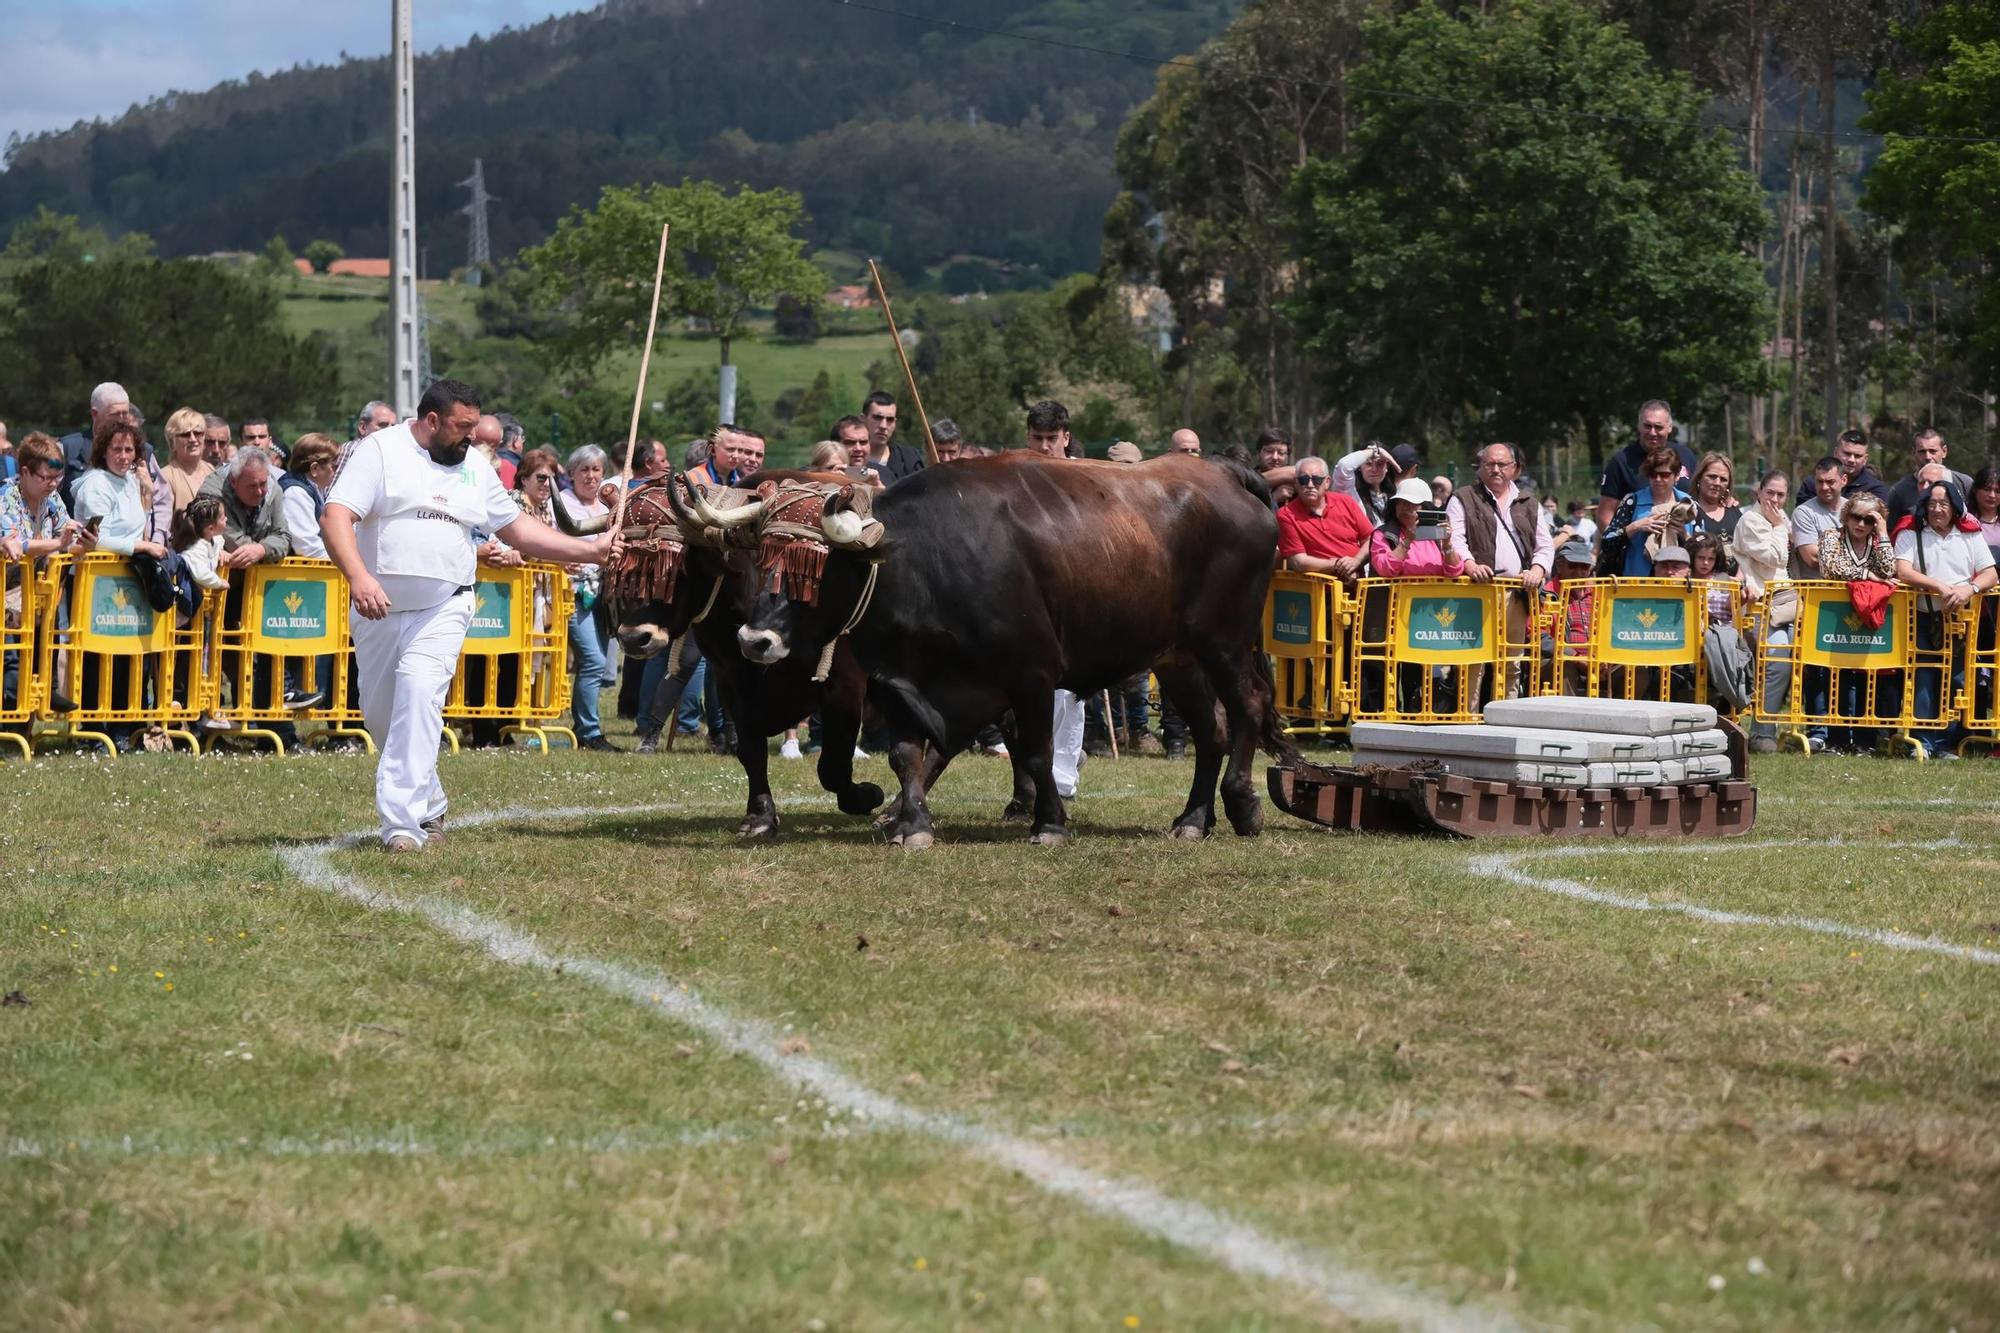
{"points": [[94, 522]]}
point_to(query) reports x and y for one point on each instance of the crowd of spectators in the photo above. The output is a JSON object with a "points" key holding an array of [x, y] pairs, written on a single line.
{"points": [[214, 500]]}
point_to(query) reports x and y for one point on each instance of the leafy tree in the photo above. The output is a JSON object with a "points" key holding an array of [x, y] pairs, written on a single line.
{"points": [[277, 256], [321, 254], [1942, 192], [182, 331], [727, 254], [796, 319], [1553, 246]]}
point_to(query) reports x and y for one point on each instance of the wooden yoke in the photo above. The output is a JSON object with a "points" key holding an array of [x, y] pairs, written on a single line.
{"points": [[930, 445]]}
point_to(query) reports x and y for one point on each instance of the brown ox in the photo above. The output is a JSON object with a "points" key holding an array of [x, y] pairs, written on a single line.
{"points": [[969, 591]]}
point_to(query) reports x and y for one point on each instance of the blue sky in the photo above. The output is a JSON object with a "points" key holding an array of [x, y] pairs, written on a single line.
{"points": [[63, 61]]}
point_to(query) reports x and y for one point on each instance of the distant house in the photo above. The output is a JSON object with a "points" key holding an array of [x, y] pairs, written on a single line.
{"points": [[350, 268], [854, 296]]}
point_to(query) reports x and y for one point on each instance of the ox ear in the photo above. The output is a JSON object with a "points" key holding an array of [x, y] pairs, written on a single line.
{"points": [[853, 499], [767, 490]]}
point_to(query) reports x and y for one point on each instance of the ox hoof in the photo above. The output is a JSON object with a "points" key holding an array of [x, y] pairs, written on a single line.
{"points": [[1048, 837], [920, 841], [752, 830], [1188, 833], [860, 799]]}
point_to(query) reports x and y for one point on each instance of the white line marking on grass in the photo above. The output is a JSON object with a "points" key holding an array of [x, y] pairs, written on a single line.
{"points": [[1505, 866], [1242, 1248]]}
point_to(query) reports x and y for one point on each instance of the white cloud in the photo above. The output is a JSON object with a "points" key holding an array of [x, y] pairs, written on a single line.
{"points": [[71, 62]]}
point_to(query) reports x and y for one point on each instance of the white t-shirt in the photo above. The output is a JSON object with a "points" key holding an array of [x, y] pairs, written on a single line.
{"points": [[1809, 520], [414, 519], [1953, 558]]}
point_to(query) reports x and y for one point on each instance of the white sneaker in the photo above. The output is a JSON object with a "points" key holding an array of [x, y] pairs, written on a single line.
{"points": [[998, 751], [216, 722], [790, 749], [859, 754]]}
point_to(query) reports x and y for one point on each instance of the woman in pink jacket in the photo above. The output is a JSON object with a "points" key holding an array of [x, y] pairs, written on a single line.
{"points": [[1400, 553]]}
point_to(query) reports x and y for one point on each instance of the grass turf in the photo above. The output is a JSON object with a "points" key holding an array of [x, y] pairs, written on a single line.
{"points": [[1564, 1112]]}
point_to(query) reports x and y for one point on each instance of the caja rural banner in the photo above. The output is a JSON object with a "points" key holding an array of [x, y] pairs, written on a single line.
{"points": [[295, 609], [501, 604], [1443, 624], [1649, 628], [1833, 634], [111, 614], [1297, 614]]}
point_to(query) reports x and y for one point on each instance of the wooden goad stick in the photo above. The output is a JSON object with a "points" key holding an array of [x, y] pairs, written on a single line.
{"points": [[930, 445], [639, 394]]}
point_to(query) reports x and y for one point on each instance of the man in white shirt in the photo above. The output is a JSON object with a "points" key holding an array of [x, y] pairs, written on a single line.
{"points": [[1048, 434], [399, 522], [1498, 530]]}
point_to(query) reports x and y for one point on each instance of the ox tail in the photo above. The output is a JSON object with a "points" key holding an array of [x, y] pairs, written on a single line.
{"points": [[1245, 477], [1273, 739]]}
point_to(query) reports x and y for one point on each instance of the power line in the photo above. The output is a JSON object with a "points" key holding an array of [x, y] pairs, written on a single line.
{"points": [[1601, 117]]}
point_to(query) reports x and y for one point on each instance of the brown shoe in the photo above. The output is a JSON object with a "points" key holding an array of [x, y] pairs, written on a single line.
{"points": [[433, 832], [1150, 744], [402, 843]]}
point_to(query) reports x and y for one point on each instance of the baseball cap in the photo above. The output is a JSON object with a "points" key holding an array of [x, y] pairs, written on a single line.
{"points": [[1405, 456], [1666, 553], [1416, 490], [1124, 452], [1577, 551]]}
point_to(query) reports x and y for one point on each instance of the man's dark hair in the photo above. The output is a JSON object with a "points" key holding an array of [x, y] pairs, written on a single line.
{"points": [[512, 432], [878, 399], [848, 422], [1237, 453], [1827, 464], [248, 422], [945, 431], [443, 395], [1852, 436], [1048, 415], [747, 432], [1927, 433], [1273, 435]]}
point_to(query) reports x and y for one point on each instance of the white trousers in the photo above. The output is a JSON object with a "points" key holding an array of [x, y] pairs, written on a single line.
{"points": [[406, 661], [1068, 746]]}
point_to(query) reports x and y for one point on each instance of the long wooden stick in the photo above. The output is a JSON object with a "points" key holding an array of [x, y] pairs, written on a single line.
{"points": [[639, 394], [1111, 726], [930, 445]]}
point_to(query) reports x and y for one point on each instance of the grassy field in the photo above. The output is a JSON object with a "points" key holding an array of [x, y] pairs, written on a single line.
{"points": [[611, 1068]]}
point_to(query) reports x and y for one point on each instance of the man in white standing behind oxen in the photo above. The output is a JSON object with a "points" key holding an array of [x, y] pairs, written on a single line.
{"points": [[1048, 433], [399, 522]]}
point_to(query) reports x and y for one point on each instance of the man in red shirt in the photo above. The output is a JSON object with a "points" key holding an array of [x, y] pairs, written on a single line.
{"points": [[1322, 532]]}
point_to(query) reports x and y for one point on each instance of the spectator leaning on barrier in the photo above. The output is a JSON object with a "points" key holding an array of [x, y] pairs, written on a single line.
{"points": [[1622, 548], [34, 524], [588, 635], [1496, 528], [1927, 464], [1395, 550], [1942, 554], [303, 491], [1984, 507], [117, 491], [185, 469], [253, 510], [1323, 531]]}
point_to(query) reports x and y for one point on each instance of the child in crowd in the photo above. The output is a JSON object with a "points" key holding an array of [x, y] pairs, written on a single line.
{"points": [[1571, 615], [197, 536], [1708, 559]]}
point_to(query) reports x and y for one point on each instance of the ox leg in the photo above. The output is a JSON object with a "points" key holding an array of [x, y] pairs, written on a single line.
{"points": [[912, 828], [840, 730], [1034, 731], [1246, 700], [760, 812], [1021, 806], [1187, 686], [932, 766]]}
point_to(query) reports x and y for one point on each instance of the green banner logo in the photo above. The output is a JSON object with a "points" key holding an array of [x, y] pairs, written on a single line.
{"points": [[1446, 624], [492, 611], [1291, 617], [1841, 630], [118, 608], [294, 609], [1649, 624]]}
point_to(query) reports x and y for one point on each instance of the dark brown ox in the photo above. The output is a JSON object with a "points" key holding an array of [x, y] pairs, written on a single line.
{"points": [[972, 590]]}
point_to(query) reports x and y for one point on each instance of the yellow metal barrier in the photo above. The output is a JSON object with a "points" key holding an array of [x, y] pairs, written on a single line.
{"points": [[21, 687], [1628, 639], [1429, 650], [515, 666], [1982, 673], [1305, 633], [124, 664], [1847, 682], [284, 627]]}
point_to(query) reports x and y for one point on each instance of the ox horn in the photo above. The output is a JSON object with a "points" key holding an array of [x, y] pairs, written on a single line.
{"points": [[848, 530], [724, 518]]}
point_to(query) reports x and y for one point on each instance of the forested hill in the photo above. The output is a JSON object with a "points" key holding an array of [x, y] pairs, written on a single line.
{"points": [[908, 140]]}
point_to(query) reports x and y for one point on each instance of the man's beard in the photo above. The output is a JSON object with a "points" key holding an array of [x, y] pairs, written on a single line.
{"points": [[447, 455]]}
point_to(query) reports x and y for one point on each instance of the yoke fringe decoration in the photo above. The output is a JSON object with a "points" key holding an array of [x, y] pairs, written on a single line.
{"points": [[803, 564]]}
